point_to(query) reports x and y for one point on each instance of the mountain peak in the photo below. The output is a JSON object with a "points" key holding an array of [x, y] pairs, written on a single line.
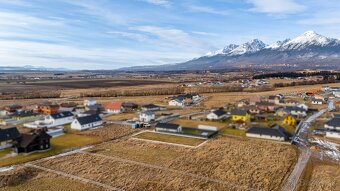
{"points": [[310, 33], [248, 47]]}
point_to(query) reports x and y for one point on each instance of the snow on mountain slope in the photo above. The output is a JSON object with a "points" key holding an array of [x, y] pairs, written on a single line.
{"points": [[249, 47], [224, 50], [277, 44], [308, 38]]}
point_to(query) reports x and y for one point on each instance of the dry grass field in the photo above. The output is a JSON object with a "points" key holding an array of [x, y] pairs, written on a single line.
{"points": [[169, 138], [222, 163], [30, 179], [325, 177]]}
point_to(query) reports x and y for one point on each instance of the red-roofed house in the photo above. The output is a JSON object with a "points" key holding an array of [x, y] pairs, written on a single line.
{"points": [[114, 107]]}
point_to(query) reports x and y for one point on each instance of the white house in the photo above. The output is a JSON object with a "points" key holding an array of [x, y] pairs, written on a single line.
{"points": [[177, 102], [58, 119], [114, 107], [336, 93], [333, 128], [87, 122], [90, 102], [317, 101], [333, 134], [146, 116], [217, 115], [303, 106]]}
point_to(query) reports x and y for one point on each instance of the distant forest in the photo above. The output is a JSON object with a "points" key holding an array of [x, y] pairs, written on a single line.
{"points": [[326, 75]]}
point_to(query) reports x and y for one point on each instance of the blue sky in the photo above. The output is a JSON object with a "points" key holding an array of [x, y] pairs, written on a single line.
{"points": [[109, 34]]}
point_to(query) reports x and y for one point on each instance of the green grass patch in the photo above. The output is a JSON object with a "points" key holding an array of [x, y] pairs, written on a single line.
{"points": [[170, 138], [5, 152], [59, 144], [234, 132]]}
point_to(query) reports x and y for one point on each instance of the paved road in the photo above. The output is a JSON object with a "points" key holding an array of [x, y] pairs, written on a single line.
{"points": [[301, 139]]}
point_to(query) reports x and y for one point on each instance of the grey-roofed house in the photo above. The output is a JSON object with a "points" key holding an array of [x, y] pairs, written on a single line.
{"points": [[8, 136], [58, 119], [294, 110], [273, 133], [217, 114], [87, 122], [168, 127], [333, 128], [150, 107]]}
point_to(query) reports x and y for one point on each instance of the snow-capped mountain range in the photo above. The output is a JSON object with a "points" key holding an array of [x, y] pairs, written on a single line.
{"points": [[309, 50], [309, 38]]}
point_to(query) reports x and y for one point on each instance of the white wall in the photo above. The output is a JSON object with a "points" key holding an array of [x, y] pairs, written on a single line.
{"points": [[265, 137], [335, 135]]}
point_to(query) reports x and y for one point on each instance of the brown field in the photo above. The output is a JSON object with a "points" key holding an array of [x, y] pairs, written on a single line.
{"points": [[325, 177], [30, 179], [170, 138], [221, 164]]}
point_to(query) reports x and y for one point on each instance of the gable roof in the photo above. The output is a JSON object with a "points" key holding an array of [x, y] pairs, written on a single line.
{"points": [[219, 112], [294, 108], [147, 113], [277, 131], [89, 119], [114, 105], [167, 125], [150, 106], [335, 122], [27, 139], [61, 115], [9, 134], [238, 112]]}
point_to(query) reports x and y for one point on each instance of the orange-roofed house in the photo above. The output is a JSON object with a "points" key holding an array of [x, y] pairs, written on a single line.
{"points": [[114, 107], [337, 104], [47, 108]]}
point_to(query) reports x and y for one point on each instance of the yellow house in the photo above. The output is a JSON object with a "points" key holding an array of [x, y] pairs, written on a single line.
{"points": [[289, 120], [240, 115]]}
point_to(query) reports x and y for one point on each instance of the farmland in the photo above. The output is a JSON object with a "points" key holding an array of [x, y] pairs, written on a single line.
{"points": [[252, 164]]}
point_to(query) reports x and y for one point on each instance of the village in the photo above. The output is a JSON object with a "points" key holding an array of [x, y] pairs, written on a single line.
{"points": [[33, 133]]}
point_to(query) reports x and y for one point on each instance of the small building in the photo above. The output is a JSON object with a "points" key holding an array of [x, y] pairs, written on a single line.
{"points": [[13, 108], [296, 111], [333, 128], [89, 102], [317, 101], [253, 109], [146, 116], [38, 140], [114, 107], [266, 106], [58, 119], [47, 108], [289, 120], [8, 136], [23, 115], [239, 115], [274, 99], [180, 102], [151, 107], [276, 133], [129, 106], [168, 127], [87, 122], [217, 115]]}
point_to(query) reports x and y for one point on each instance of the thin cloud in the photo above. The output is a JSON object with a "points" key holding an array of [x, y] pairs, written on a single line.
{"points": [[322, 18], [209, 10], [276, 6], [164, 3]]}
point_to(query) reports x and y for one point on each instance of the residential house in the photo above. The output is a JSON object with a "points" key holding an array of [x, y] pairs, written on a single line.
{"points": [[336, 93], [239, 115], [23, 115], [38, 140], [266, 106], [217, 114], [253, 109], [178, 101], [8, 136], [47, 108], [242, 103], [146, 116], [289, 120], [129, 106], [13, 108], [87, 122], [303, 106], [58, 119], [274, 99], [89, 102], [168, 127], [333, 128], [68, 106], [114, 107], [296, 111], [276, 133], [151, 107], [317, 101], [289, 102]]}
